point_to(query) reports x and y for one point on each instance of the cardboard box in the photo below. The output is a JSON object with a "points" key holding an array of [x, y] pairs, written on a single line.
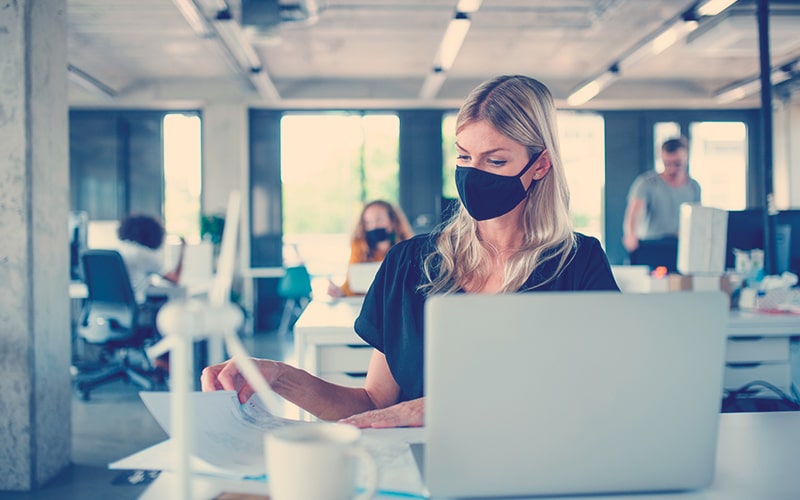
{"points": [[698, 283], [702, 239], [701, 283]]}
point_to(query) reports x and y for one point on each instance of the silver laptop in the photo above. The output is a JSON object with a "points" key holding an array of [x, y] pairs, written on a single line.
{"points": [[572, 393], [360, 275]]}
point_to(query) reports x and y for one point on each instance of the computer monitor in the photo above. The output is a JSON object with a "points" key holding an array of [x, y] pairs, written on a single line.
{"points": [[78, 241], [745, 232]]}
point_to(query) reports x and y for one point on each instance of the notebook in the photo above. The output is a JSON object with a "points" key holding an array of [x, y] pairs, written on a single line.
{"points": [[360, 276], [571, 393]]}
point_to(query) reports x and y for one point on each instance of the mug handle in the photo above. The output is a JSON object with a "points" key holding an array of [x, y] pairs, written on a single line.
{"points": [[371, 485]]}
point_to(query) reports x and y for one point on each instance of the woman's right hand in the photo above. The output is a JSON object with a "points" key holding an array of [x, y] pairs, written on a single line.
{"points": [[227, 377], [335, 291]]}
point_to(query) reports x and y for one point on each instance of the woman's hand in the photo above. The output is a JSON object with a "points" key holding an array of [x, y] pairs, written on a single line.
{"points": [[226, 376], [334, 290], [405, 414]]}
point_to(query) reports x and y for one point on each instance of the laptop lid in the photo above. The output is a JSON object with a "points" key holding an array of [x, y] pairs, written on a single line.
{"points": [[360, 275], [569, 393]]}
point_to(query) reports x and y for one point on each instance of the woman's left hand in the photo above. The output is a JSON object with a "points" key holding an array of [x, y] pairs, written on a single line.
{"points": [[405, 414]]}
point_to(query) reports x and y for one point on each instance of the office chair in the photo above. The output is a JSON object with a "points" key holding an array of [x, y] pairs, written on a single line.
{"points": [[295, 288], [114, 322]]}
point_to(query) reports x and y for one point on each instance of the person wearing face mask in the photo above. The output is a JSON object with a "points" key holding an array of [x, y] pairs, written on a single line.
{"points": [[380, 226], [512, 233]]}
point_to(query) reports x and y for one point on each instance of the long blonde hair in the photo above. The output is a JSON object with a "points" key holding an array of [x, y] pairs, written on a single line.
{"points": [[521, 108]]}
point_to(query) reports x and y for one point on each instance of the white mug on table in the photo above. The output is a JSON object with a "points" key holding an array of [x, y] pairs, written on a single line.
{"points": [[317, 461]]}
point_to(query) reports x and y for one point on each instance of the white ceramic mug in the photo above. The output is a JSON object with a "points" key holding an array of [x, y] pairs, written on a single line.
{"points": [[317, 461]]}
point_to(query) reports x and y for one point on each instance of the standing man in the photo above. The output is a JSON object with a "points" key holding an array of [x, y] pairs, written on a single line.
{"points": [[650, 229]]}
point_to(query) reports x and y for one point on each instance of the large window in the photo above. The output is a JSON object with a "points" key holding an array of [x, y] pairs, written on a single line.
{"points": [[718, 161], [331, 164], [583, 154], [182, 175]]}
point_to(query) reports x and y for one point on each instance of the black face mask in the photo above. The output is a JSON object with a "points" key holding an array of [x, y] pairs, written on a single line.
{"points": [[486, 195], [375, 236]]}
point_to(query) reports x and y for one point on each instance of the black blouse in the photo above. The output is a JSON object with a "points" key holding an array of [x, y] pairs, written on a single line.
{"points": [[391, 318]]}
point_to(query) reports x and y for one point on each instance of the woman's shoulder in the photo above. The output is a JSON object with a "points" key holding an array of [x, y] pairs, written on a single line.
{"points": [[415, 244], [585, 244]]}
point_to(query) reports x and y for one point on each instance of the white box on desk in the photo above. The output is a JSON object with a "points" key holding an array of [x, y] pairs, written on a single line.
{"points": [[702, 239]]}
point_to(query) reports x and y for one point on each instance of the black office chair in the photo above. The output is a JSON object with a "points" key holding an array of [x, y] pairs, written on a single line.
{"points": [[112, 321]]}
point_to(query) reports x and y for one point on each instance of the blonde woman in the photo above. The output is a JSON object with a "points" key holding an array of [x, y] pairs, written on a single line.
{"points": [[512, 233]]}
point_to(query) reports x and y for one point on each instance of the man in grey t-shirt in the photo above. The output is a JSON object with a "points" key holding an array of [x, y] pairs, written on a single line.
{"points": [[654, 200]]}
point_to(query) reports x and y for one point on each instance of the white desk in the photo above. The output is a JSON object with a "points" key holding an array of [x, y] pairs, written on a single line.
{"points": [[326, 345], [758, 457], [759, 345], [760, 348]]}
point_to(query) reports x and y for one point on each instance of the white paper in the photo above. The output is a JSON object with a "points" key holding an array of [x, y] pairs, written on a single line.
{"points": [[228, 442], [227, 435]]}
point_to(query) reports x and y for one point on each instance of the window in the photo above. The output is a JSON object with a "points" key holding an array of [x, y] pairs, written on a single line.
{"points": [[449, 154], [331, 164], [582, 143], [718, 161], [182, 175]]}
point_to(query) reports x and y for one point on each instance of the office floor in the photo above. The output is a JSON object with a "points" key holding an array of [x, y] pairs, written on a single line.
{"points": [[113, 424]]}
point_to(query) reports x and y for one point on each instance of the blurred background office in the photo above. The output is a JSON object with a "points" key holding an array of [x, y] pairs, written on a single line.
{"points": [[310, 108]]}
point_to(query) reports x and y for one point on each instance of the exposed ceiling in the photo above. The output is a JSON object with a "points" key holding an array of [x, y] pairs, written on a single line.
{"points": [[378, 53]]}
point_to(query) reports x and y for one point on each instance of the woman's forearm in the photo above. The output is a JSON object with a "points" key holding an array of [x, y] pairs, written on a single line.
{"points": [[322, 399]]}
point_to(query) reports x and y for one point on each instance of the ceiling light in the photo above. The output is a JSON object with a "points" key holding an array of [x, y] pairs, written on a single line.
{"points": [[433, 82], [264, 85], [744, 88], [194, 16], [588, 91], [90, 83], [451, 42], [713, 7], [233, 36], [668, 36], [468, 6]]}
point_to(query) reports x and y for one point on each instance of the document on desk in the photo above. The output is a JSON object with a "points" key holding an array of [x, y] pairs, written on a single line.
{"points": [[228, 435]]}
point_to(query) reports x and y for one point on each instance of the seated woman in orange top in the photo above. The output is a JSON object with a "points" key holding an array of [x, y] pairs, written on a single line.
{"points": [[380, 226]]}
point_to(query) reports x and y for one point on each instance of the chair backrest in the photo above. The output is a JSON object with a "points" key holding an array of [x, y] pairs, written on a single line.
{"points": [[296, 283], [111, 308]]}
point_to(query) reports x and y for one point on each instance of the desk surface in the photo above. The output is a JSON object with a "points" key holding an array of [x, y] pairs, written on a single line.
{"points": [[758, 457], [340, 314]]}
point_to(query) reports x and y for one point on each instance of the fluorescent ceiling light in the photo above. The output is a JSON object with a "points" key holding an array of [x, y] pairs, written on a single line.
{"points": [[713, 7], [588, 91], [264, 85], [452, 41], [194, 16], [744, 88], [468, 6], [90, 83], [433, 82], [233, 36], [670, 35]]}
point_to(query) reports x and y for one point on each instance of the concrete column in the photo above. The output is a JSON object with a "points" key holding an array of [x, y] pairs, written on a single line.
{"points": [[35, 396], [224, 153]]}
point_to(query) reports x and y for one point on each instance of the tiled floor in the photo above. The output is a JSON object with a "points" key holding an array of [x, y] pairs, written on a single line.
{"points": [[113, 424]]}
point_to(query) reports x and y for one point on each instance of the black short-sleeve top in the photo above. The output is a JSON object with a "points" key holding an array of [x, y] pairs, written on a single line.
{"points": [[391, 318]]}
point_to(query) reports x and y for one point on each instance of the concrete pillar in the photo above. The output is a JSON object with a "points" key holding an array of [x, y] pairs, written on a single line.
{"points": [[35, 396], [224, 153]]}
